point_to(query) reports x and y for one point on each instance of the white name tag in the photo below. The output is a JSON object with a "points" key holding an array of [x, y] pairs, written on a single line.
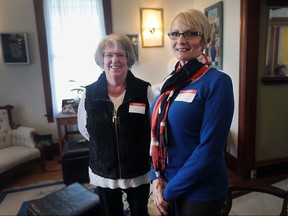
{"points": [[137, 108], [186, 96]]}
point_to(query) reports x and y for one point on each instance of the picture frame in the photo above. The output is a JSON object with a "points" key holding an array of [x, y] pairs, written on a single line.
{"points": [[134, 38], [151, 21], [214, 50], [69, 106], [14, 48]]}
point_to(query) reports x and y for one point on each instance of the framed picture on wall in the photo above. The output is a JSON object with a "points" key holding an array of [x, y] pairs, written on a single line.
{"points": [[134, 38], [14, 48], [214, 50]]}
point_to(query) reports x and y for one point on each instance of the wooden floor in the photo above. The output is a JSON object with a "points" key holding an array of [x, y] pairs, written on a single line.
{"points": [[54, 172], [34, 175]]}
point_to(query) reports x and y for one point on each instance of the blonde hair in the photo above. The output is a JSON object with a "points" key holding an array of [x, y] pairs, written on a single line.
{"points": [[197, 21], [118, 41]]}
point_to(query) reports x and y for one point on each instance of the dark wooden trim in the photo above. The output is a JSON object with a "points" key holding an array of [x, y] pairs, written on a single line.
{"points": [[42, 41], [272, 162], [272, 167], [108, 16], [277, 3], [250, 17], [231, 161], [274, 80]]}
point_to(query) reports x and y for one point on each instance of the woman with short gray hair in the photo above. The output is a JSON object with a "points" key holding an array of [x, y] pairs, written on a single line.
{"points": [[114, 116]]}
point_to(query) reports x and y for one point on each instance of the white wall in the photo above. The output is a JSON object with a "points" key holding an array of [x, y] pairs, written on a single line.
{"points": [[22, 86]]}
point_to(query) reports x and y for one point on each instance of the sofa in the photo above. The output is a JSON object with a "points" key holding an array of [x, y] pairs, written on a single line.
{"points": [[18, 147]]}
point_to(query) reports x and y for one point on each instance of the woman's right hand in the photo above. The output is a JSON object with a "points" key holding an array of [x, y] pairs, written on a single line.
{"points": [[158, 188]]}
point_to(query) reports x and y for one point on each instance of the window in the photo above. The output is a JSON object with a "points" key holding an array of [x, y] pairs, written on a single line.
{"points": [[73, 28], [73, 31]]}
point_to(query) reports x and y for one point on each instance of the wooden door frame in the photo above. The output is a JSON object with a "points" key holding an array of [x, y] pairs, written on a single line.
{"points": [[249, 37]]}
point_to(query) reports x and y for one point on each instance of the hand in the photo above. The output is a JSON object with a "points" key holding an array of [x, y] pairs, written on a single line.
{"points": [[158, 188]]}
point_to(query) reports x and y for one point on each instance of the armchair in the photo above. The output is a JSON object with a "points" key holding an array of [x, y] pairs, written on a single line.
{"points": [[17, 146]]}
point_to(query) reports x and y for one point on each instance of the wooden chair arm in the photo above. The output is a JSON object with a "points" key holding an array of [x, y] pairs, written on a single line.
{"points": [[262, 188]]}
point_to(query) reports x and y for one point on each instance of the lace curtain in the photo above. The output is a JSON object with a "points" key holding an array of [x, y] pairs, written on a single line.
{"points": [[74, 28]]}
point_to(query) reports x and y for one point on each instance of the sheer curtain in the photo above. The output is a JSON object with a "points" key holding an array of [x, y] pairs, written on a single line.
{"points": [[74, 28]]}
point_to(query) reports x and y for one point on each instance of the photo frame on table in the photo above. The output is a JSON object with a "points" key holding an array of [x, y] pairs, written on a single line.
{"points": [[14, 48], [134, 38], [214, 50], [69, 106]]}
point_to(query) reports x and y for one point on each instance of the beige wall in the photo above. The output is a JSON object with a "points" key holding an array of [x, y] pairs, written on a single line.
{"points": [[21, 85]]}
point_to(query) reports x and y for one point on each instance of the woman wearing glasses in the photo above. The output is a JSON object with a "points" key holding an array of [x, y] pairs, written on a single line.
{"points": [[114, 116], [191, 119]]}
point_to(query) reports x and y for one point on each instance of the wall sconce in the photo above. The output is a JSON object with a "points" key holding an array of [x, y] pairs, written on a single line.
{"points": [[151, 27]]}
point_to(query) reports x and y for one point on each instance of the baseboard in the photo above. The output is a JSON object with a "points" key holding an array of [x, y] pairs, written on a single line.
{"points": [[231, 162], [272, 167], [263, 168]]}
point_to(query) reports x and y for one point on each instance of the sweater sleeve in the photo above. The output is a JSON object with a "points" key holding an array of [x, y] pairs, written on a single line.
{"points": [[208, 156], [82, 117], [150, 95]]}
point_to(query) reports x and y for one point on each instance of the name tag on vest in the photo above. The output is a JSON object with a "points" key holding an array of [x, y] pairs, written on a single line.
{"points": [[137, 108], [186, 95]]}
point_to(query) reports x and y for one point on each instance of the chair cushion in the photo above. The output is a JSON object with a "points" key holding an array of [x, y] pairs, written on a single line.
{"points": [[75, 149], [16, 155]]}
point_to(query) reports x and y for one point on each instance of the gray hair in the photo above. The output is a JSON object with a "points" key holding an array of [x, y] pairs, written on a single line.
{"points": [[118, 41]]}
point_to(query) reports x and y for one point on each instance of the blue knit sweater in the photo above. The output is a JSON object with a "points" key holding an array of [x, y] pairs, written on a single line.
{"points": [[198, 124]]}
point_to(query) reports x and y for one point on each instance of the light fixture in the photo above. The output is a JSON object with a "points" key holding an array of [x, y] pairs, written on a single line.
{"points": [[151, 27]]}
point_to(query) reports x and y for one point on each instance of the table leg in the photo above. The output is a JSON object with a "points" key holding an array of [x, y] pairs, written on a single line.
{"points": [[59, 138]]}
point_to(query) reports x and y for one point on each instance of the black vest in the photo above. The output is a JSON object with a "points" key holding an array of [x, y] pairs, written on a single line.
{"points": [[119, 147]]}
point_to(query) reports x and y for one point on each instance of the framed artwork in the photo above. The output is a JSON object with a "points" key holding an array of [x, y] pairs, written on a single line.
{"points": [[15, 48], [214, 50], [151, 20], [134, 38]]}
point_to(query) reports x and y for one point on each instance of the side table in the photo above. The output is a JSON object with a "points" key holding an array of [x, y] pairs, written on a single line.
{"points": [[63, 120]]}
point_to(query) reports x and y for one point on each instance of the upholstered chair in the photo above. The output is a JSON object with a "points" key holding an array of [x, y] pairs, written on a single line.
{"points": [[17, 145]]}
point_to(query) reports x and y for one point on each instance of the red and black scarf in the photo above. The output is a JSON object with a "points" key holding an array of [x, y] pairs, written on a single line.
{"points": [[191, 71]]}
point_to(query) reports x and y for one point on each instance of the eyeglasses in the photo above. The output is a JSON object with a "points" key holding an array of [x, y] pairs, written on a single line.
{"points": [[109, 55], [187, 35]]}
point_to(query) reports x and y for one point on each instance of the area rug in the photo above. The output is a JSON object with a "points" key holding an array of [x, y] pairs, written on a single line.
{"points": [[13, 201], [256, 203]]}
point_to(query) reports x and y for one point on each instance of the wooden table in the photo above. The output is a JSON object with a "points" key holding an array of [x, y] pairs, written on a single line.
{"points": [[63, 120]]}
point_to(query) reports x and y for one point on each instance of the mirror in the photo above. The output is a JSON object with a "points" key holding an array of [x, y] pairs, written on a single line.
{"points": [[276, 66]]}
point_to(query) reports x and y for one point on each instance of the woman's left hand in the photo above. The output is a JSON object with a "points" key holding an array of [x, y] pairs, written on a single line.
{"points": [[161, 204]]}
